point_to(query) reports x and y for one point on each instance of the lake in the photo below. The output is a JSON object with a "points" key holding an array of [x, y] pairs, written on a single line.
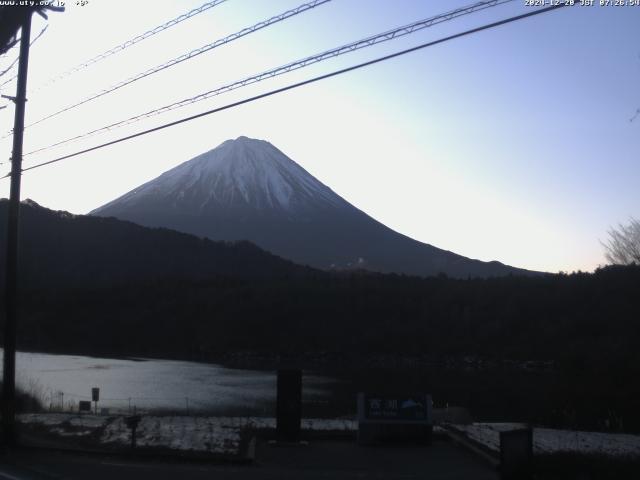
{"points": [[150, 384], [155, 385]]}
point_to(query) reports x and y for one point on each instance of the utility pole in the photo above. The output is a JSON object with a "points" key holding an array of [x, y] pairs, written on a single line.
{"points": [[11, 279]]}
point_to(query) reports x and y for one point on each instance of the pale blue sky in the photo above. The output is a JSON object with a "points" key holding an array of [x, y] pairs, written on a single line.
{"points": [[512, 144]]}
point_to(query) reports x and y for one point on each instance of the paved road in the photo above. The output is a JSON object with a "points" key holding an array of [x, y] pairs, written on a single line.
{"points": [[319, 460]]}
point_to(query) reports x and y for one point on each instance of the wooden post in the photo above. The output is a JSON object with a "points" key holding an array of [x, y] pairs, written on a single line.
{"points": [[11, 275]]}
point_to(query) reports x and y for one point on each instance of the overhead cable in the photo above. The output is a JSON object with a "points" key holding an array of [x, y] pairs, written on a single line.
{"points": [[300, 84], [350, 47], [18, 58], [134, 40], [187, 56]]}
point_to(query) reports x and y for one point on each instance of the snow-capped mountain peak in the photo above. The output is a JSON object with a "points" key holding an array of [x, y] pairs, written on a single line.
{"points": [[247, 189], [239, 173]]}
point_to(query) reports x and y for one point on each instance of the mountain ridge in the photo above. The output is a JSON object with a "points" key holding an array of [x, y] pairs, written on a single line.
{"points": [[59, 249], [248, 189]]}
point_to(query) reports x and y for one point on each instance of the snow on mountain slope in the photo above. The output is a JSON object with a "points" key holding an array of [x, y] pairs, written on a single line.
{"points": [[238, 173], [247, 189]]}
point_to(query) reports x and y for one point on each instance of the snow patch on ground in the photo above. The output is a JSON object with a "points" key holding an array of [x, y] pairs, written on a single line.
{"points": [[197, 434], [219, 435], [547, 440], [46, 419]]}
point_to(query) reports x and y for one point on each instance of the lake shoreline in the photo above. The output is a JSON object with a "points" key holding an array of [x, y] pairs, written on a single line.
{"points": [[312, 361], [238, 382]]}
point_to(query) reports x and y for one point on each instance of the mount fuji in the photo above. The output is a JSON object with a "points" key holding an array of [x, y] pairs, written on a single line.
{"points": [[247, 189]]}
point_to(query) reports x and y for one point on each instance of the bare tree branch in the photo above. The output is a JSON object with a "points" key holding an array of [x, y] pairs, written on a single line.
{"points": [[623, 246]]}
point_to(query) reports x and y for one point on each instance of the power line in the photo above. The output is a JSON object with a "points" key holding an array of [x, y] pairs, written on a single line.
{"points": [[350, 47], [134, 40], [300, 84], [18, 58], [10, 46], [15, 61], [187, 56]]}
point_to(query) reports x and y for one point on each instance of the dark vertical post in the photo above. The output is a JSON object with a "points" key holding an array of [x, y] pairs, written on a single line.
{"points": [[133, 436], [11, 278], [132, 422], [95, 396], [289, 405], [516, 454]]}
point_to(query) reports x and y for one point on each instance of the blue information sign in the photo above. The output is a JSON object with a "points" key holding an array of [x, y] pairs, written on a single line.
{"points": [[403, 408]]}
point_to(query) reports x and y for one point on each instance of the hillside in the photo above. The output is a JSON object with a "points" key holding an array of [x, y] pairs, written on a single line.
{"points": [[58, 249], [247, 189]]}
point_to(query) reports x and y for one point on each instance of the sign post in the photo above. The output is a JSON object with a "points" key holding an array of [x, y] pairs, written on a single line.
{"points": [[394, 418], [84, 406], [95, 396]]}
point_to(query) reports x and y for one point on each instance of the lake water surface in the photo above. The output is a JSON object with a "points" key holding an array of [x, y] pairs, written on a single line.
{"points": [[151, 384]]}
